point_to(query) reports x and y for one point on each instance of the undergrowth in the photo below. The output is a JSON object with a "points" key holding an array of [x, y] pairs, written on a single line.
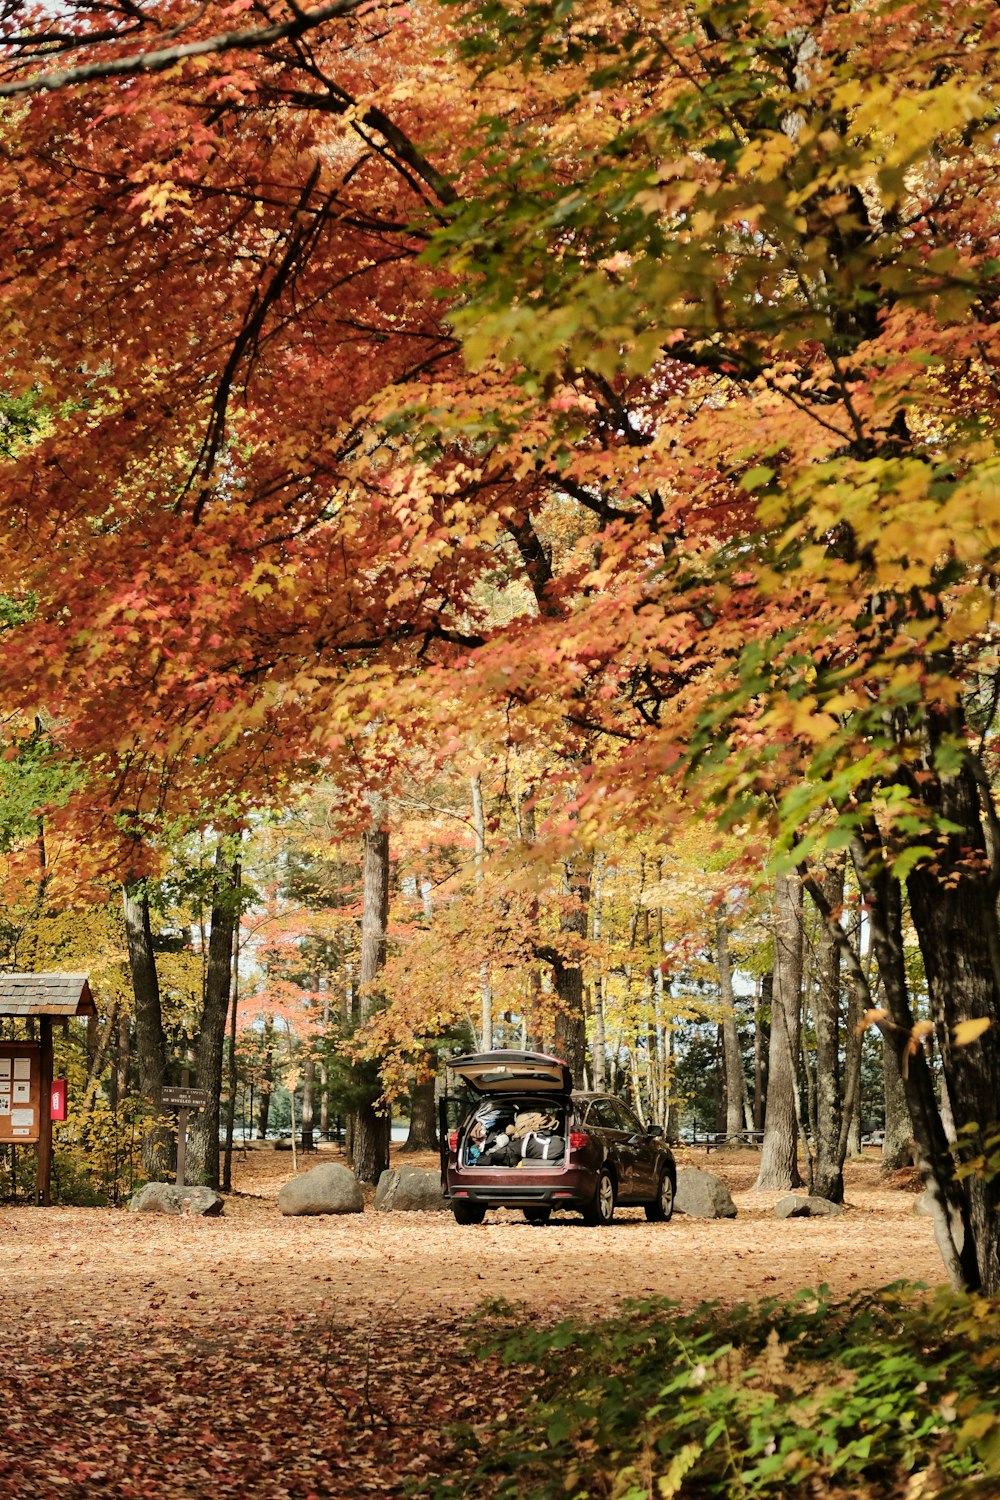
{"points": [[893, 1393]]}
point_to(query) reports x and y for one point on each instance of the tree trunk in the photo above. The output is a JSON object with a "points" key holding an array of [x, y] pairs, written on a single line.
{"points": [[203, 1143], [231, 1072], [570, 1023], [947, 1118], [570, 1034], [157, 1140], [732, 1058], [850, 1122], [949, 1205], [370, 1129], [828, 1181], [308, 1079], [266, 1080], [599, 1049], [761, 1039], [897, 1148], [485, 990], [779, 1152], [672, 1122], [953, 903], [324, 1079], [122, 1060], [422, 1135]]}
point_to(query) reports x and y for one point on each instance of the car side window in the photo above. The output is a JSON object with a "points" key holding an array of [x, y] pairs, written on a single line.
{"points": [[610, 1117], [614, 1111], [598, 1114], [630, 1121]]}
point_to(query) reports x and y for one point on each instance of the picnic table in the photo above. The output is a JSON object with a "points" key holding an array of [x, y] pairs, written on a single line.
{"points": [[717, 1138]]}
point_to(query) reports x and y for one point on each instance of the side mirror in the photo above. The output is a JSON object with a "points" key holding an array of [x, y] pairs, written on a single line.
{"points": [[654, 1130]]}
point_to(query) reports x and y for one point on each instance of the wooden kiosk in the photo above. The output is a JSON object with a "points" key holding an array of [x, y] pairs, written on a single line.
{"points": [[26, 1066]]}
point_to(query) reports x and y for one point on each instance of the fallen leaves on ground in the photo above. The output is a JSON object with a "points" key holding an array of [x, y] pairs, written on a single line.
{"points": [[268, 1357]]}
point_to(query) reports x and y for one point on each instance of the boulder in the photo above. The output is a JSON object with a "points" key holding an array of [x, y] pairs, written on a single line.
{"points": [[166, 1198], [703, 1195], [329, 1189], [410, 1190], [794, 1207]]}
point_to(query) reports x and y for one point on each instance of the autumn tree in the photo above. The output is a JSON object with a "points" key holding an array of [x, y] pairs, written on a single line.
{"points": [[785, 291], [724, 437]]}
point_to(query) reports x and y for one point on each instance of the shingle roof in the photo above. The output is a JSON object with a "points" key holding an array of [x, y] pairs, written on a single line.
{"points": [[46, 995]]}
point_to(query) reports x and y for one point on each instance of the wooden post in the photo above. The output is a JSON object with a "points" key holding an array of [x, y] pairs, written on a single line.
{"points": [[43, 1174], [182, 1130]]}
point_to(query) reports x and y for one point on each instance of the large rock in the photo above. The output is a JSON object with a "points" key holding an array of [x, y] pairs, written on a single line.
{"points": [[166, 1198], [410, 1190], [703, 1195], [329, 1189], [794, 1207]]}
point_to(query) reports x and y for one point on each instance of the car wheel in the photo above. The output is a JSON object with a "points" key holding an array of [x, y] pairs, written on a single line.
{"points": [[468, 1213], [601, 1208], [539, 1215], [662, 1207]]}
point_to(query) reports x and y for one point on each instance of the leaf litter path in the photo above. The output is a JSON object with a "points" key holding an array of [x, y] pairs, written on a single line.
{"points": [[258, 1356]]}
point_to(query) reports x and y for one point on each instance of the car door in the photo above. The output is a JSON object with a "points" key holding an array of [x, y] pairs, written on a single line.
{"points": [[604, 1113], [644, 1153]]}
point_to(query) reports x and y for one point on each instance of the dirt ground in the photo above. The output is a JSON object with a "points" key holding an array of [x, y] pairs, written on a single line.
{"points": [[257, 1355], [420, 1262]]}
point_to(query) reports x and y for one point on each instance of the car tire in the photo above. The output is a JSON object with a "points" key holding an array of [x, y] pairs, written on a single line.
{"points": [[601, 1208], [538, 1215], [661, 1210], [468, 1213]]}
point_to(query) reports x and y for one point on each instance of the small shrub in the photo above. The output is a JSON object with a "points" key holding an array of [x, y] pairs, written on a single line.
{"points": [[803, 1398], [73, 1182]]}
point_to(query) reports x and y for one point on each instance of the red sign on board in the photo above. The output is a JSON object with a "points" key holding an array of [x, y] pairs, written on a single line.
{"points": [[58, 1111]]}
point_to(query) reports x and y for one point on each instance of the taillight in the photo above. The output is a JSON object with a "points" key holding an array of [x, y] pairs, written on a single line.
{"points": [[578, 1139], [453, 1141]]}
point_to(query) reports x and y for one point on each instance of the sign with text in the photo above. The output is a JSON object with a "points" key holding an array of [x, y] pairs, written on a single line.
{"points": [[184, 1098], [20, 1084]]}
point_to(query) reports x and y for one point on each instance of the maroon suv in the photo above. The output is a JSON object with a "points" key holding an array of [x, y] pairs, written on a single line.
{"points": [[526, 1140]]}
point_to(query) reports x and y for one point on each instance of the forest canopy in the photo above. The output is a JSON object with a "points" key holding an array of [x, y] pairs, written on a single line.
{"points": [[595, 403]]}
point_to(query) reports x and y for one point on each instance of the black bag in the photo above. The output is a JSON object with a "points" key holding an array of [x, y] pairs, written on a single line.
{"points": [[541, 1146], [507, 1155]]}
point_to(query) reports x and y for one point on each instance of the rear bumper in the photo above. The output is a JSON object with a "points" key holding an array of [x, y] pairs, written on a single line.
{"points": [[519, 1187]]}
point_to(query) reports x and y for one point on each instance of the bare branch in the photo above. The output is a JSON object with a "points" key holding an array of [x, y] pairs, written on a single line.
{"points": [[162, 58]]}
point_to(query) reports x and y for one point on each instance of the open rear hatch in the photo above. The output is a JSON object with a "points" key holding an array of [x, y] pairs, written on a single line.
{"points": [[513, 1072], [502, 1087]]}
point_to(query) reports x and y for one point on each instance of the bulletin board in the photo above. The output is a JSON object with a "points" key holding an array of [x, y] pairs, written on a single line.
{"points": [[20, 1092]]}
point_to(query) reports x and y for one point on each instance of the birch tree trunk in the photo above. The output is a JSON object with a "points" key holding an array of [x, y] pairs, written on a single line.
{"points": [[732, 1059], [779, 1152], [266, 1080], [308, 1083], [830, 1140]]}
